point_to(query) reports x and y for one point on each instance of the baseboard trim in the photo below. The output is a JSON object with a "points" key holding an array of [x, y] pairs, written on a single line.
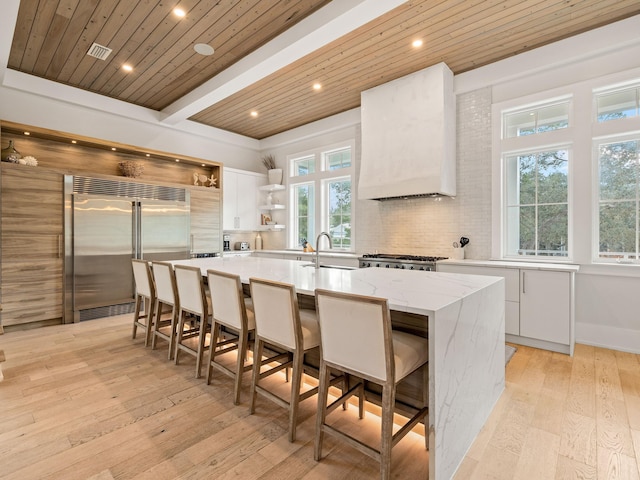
{"points": [[607, 336]]}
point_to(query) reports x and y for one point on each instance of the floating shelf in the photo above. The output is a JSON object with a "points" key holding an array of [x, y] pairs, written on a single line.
{"points": [[273, 206], [271, 227], [275, 187]]}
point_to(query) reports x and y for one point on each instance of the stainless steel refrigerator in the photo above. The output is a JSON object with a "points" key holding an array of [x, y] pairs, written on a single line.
{"points": [[107, 224]]}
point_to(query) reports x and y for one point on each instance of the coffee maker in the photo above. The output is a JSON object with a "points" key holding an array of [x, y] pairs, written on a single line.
{"points": [[226, 242]]}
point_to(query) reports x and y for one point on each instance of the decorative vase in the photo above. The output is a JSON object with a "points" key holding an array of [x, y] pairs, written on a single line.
{"points": [[10, 154], [274, 176]]}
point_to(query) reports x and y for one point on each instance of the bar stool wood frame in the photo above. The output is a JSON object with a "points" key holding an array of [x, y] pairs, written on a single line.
{"points": [[145, 299], [167, 302], [334, 309], [229, 309]]}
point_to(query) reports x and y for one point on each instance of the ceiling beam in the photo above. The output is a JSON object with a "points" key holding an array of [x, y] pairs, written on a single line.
{"points": [[324, 26]]}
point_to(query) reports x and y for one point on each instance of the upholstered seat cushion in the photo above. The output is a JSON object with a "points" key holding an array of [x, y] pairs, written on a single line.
{"points": [[310, 328], [410, 351]]}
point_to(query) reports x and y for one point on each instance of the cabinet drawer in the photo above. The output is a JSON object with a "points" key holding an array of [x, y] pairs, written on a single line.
{"points": [[511, 277]]}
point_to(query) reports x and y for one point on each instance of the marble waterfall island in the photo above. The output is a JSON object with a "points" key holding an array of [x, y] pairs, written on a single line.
{"points": [[464, 315]]}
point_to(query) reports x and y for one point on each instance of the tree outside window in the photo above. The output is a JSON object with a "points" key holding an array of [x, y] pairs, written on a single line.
{"points": [[619, 200], [320, 193], [537, 204]]}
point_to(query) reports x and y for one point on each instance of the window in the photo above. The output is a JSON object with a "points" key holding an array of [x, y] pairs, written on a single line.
{"points": [[544, 118], [537, 203], [619, 200], [321, 197], [615, 104]]}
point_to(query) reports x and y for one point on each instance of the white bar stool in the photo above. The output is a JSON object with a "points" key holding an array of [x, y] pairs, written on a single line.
{"points": [[193, 301], [145, 298], [167, 302], [357, 339], [233, 311], [281, 324]]}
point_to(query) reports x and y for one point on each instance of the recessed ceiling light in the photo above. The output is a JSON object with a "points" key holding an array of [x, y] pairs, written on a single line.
{"points": [[202, 165], [417, 43], [127, 68], [27, 133], [317, 86], [113, 148], [203, 49], [148, 155], [74, 141], [254, 113], [178, 12], [177, 159]]}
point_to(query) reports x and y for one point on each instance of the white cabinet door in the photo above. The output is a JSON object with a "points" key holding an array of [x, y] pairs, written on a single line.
{"points": [[229, 209], [240, 208], [246, 203], [545, 305]]}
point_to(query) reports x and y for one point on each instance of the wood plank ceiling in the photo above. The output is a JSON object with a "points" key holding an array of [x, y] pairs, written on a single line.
{"points": [[52, 38]]}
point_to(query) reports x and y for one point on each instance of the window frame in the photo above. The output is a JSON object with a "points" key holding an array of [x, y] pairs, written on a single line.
{"points": [[321, 179], [595, 248], [504, 147], [506, 205]]}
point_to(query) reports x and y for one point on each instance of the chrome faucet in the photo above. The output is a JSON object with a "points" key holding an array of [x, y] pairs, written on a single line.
{"points": [[325, 234]]}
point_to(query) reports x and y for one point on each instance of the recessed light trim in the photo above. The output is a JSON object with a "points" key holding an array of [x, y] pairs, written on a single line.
{"points": [[203, 49], [127, 68], [178, 12], [317, 86], [417, 43], [254, 113]]}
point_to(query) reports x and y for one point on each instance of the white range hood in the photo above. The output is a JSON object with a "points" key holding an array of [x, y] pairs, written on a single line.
{"points": [[408, 137]]}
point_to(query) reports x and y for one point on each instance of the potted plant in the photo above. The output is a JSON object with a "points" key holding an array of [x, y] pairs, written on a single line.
{"points": [[274, 174]]}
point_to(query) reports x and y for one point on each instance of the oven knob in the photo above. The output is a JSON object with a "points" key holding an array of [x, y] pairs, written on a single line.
{"points": [[397, 266], [411, 267], [387, 265]]}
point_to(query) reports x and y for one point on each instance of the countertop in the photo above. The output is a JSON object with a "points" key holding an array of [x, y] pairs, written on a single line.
{"points": [[323, 253], [407, 290], [558, 267]]}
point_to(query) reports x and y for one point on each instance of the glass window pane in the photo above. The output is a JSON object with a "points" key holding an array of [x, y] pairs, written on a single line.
{"points": [[527, 231], [552, 230], [553, 117], [620, 104], [617, 230], [519, 124], [339, 159], [540, 119], [303, 166], [339, 197], [304, 213], [552, 176], [618, 170]]}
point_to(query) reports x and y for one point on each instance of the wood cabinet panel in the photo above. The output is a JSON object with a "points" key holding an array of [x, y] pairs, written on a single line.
{"points": [[205, 220], [31, 291], [32, 242]]}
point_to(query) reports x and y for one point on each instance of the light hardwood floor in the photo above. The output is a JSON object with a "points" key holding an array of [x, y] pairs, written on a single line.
{"points": [[84, 401]]}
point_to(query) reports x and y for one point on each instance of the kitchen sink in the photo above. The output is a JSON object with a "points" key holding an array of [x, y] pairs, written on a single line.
{"points": [[337, 267]]}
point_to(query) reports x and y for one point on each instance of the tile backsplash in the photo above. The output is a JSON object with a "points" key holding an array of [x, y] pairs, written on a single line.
{"points": [[427, 226]]}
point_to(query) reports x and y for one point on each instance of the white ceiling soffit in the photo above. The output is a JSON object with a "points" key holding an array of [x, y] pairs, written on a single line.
{"points": [[324, 26]]}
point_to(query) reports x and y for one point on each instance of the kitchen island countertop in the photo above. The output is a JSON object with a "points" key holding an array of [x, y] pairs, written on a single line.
{"points": [[465, 317]]}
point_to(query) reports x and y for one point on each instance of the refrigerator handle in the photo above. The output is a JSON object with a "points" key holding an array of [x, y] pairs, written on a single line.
{"points": [[191, 246], [135, 229]]}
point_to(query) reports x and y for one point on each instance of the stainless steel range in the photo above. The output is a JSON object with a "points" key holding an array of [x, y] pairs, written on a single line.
{"points": [[405, 262]]}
